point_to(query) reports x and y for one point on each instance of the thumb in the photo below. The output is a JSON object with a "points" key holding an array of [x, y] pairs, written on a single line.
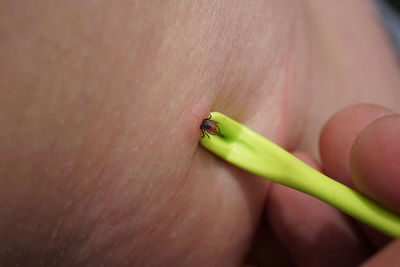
{"points": [[375, 161]]}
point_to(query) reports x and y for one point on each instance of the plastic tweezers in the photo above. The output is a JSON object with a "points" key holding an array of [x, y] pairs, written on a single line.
{"points": [[252, 152]]}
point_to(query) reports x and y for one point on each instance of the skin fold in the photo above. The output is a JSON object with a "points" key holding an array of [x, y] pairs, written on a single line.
{"points": [[100, 108]]}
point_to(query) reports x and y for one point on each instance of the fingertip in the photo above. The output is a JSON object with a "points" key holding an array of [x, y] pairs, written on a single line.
{"points": [[338, 135], [375, 161]]}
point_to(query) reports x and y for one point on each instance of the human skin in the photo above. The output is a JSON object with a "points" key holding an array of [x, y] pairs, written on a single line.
{"points": [[100, 109]]}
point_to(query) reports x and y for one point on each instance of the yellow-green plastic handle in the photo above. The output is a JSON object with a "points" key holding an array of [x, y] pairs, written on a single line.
{"points": [[250, 151]]}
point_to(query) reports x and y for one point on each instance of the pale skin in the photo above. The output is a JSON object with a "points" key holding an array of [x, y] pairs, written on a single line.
{"points": [[100, 108]]}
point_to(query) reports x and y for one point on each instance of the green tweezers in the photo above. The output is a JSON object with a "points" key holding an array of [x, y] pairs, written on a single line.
{"points": [[250, 151]]}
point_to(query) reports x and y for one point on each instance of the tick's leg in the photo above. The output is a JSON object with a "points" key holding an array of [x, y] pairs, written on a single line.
{"points": [[209, 116], [202, 133], [207, 135], [219, 130]]}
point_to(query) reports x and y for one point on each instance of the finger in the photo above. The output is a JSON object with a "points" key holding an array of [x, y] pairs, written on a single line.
{"points": [[375, 161], [389, 256], [338, 136], [314, 233], [374, 164]]}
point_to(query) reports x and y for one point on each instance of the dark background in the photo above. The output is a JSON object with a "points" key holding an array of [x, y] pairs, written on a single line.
{"points": [[395, 4]]}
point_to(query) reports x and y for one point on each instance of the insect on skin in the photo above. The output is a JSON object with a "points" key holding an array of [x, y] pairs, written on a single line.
{"points": [[209, 126]]}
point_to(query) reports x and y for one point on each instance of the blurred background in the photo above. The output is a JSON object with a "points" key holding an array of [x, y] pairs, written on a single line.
{"points": [[390, 14]]}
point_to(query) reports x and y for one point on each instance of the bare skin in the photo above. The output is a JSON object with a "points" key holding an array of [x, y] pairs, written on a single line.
{"points": [[100, 108]]}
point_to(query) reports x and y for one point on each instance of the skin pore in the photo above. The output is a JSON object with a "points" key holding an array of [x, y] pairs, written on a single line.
{"points": [[101, 103]]}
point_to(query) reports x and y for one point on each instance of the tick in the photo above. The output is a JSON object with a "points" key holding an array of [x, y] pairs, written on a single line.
{"points": [[209, 126]]}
